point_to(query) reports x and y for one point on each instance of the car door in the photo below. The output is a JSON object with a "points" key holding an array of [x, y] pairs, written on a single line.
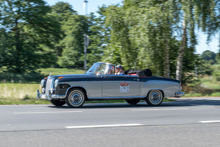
{"points": [[120, 86]]}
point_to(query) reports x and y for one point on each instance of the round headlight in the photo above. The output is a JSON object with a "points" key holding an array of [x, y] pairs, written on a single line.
{"points": [[42, 82], [56, 82]]}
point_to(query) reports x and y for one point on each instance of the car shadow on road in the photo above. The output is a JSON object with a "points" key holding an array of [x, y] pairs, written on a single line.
{"points": [[176, 103]]}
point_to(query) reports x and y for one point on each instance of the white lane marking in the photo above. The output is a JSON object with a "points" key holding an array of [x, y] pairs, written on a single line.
{"points": [[46, 112], [159, 109], [210, 121], [103, 126]]}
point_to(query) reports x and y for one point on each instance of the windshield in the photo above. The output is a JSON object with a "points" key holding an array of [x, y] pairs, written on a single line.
{"points": [[98, 68]]}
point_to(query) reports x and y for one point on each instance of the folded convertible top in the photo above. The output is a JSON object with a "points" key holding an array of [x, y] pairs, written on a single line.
{"points": [[141, 73]]}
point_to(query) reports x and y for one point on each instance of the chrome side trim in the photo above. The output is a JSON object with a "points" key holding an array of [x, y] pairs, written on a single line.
{"points": [[121, 97], [53, 96]]}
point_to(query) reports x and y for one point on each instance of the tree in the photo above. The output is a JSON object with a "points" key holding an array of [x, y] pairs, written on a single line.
{"points": [[144, 29], [209, 56], [62, 11], [204, 14], [30, 30], [74, 29], [5, 44], [142, 34]]}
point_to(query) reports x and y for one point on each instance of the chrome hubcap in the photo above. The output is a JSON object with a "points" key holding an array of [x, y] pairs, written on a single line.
{"points": [[76, 98], [155, 97]]}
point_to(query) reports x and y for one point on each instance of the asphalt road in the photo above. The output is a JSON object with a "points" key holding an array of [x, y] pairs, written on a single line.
{"points": [[183, 123]]}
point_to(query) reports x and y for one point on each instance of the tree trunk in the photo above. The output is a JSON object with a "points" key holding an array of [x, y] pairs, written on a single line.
{"points": [[179, 65], [166, 63]]}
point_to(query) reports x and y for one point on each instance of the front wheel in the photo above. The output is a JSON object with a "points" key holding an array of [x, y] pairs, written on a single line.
{"points": [[75, 98], [57, 102], [154, 98], [133, 101]]}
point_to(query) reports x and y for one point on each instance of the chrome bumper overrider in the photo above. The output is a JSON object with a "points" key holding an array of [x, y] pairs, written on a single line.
{"points": [[179, 94], [50, 96]]}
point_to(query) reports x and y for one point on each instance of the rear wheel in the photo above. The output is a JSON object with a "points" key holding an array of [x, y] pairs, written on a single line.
{"points": [[57, 102], [154, 98], [75, 98], [133, 101]]}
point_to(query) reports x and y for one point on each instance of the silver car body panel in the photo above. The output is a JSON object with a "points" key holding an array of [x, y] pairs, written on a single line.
{"points": [[169, 88], [113, 88]]}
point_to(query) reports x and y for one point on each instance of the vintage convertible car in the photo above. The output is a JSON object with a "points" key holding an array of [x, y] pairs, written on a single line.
{"points": [[101, 83]]}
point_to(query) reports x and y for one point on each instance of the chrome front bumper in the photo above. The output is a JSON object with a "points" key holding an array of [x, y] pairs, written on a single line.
{"points": [[50, 96], [179, 94]]}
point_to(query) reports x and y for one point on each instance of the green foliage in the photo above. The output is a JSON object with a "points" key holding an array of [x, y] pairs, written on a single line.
{"points": [[29, 31], [70, 49], [36, 76], [217, 58], [216, 72], [32, 77], [145, 34], [135, 41]]}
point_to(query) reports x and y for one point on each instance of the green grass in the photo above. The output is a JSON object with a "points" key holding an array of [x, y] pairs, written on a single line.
{"points": [[210, 82], [215, 94], [18, 91], [192, 95], [60, 71], [14, 101]]}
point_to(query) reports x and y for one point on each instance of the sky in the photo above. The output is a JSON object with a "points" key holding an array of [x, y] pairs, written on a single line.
{"points": [[92, 6]]}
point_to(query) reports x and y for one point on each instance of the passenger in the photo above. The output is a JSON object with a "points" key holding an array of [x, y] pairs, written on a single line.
{"points": [[111, 70], [119, 70]]}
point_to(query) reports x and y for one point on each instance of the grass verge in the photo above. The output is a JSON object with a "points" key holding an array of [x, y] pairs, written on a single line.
{"points": [[13, 101], [60, 71], [18, 91]]}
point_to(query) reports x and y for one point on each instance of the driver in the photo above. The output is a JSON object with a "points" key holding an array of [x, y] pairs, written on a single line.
{"points": [[119, 70]]}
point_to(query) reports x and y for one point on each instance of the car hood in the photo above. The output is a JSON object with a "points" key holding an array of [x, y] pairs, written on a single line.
{"points": [[73, 77]]}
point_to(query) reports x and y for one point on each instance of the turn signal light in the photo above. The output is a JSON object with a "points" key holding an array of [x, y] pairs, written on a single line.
{"points": [[60, 77]]}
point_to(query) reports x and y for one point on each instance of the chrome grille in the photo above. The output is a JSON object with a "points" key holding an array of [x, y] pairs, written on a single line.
{"points": [[48, 85]]}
